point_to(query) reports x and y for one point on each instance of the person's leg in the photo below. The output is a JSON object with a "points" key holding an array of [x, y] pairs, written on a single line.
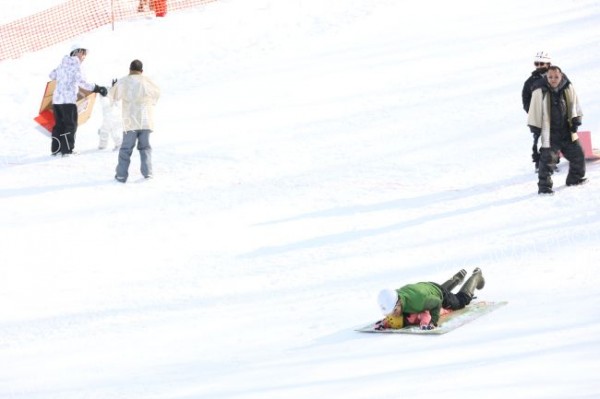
{"points": [[103, 138], [452, 301], [145, 152], [455, 301], [117, 136], [547, 162], [467, 291], [57, 130], [535, 154], [70, 127], [574, 154], [455, 280], [129, 140]]}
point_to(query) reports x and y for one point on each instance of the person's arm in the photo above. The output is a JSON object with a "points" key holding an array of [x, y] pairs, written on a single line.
{"points": [[424, 319], [526, 96], [152, 90], [115, 92], [81, 82], [434, 305], [534, 116]]}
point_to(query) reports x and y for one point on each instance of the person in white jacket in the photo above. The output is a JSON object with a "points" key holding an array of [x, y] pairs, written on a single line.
{"points": [[112, 123], [139, 95], [69, 79]]}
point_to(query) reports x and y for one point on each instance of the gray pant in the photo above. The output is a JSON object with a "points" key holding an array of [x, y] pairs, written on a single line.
{"points": [[142, 137]]}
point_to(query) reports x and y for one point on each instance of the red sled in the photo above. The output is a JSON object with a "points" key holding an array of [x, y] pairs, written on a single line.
{"points": [[85, 105], [585, 139]]}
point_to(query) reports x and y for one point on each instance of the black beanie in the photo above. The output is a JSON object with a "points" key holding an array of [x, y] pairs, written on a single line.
{"points": [[136, 65]]}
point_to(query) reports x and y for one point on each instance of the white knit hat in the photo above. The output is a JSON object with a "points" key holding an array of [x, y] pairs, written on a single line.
{"points": [[542, 56], [387, 300], [77, 47]]}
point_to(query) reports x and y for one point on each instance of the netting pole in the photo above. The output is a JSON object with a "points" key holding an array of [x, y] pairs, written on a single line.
{"points": [[112, 14]]}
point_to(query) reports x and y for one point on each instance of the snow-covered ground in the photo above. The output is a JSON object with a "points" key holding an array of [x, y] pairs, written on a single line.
{"points": [[307, 154]]}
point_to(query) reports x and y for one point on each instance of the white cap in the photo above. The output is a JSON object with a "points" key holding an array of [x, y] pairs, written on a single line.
{"points": [[387, 300], [77, 46], [542, 56]]}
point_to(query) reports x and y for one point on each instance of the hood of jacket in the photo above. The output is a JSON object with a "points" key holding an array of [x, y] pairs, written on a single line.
{"points": [[545, 85]]}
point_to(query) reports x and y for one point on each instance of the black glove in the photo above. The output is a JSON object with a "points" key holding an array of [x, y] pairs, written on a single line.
{"points": [[575, 123], [429, 326], [535, 129], [100, 89], [379, 325], [114, 82]]}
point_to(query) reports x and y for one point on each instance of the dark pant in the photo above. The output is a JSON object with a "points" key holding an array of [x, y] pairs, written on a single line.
{"points": [[572, 151], [454, 301], [535, 154], [63, 132]]}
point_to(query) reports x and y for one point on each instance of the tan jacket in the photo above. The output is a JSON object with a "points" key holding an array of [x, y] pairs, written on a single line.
{"points": [[539, 112], [139, 95]]}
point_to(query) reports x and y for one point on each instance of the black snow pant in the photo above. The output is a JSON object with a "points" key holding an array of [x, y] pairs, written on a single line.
{"points": [[535, 154], [572, 151], [63, 132], [453, 301]]}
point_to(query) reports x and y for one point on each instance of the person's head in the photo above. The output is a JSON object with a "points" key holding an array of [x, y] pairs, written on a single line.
{"points": [[542, 61], [389, 303], [554, 76], [78, 51], [136, 66]]}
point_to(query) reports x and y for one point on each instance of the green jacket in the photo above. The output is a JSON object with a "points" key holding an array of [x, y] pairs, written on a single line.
{"points": [[416, 298]]}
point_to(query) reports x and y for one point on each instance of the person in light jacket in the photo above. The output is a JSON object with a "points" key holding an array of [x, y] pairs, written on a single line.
{"points": [[69, 79], [555, 114], [139, 94]]}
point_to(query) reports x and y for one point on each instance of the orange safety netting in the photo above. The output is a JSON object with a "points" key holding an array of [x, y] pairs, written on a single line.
{"points": [[74, 17]]}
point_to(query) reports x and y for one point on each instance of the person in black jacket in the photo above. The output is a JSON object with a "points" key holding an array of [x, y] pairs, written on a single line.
{"points": [[542, 62]]}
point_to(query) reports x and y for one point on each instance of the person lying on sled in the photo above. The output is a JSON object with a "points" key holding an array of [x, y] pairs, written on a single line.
{"points": [[422, 303]]}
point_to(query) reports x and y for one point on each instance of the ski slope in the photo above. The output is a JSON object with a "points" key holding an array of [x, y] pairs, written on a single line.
{"points": [[307, 154]]}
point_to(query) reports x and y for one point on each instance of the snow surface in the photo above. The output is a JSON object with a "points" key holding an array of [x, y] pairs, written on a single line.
{"points": [[307, 154]]}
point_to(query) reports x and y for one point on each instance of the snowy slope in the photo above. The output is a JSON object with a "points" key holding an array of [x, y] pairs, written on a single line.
{"points": [[307, 154]]}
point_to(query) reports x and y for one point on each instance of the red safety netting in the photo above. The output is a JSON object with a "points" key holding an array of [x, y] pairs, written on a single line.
{"points": [[74, 17]]}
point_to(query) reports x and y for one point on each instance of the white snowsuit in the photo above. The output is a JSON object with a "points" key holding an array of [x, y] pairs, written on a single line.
{"points": [[112, 123]]}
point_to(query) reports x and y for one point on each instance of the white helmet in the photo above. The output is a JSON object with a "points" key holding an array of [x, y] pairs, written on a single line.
{"points": [[76, 48], [387, 300], [542, 56]]}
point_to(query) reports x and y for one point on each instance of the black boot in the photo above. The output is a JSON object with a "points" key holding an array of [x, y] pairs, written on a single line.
{"points": [[476, 281], [455, 280]]}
